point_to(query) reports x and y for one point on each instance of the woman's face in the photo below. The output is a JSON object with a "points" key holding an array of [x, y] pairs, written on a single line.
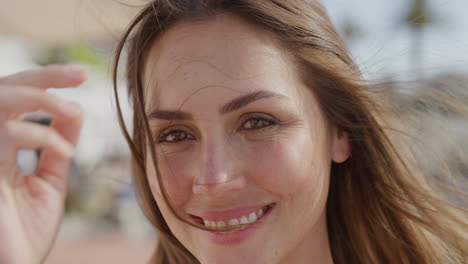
{"points": [[239, 138]]}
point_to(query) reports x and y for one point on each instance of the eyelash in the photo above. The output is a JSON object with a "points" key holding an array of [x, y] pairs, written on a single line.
{"points": [[163, 137], [266, 120]]}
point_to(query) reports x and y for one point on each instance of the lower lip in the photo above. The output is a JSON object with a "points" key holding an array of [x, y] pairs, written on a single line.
{"points": [[238, 237]]}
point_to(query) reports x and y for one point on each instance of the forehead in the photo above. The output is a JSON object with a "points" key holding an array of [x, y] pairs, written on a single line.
{"points": [[223, 52]]}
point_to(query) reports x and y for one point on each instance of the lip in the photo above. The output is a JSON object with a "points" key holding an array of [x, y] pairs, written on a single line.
{"points": [[238, 237], [226, 215]]}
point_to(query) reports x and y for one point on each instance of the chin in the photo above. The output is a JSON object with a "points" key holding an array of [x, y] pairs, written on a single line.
{"points": [[235, 257]]}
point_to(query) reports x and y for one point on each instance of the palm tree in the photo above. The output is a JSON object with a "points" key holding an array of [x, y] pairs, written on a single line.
{"points": [[350, 30], [417, 19]]}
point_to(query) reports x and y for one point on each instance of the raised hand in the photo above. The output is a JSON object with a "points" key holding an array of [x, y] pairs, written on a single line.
{"points": [[31, 207]]}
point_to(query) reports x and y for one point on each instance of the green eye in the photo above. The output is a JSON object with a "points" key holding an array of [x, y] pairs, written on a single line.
{"points": [[173, 136], [258, 122]]}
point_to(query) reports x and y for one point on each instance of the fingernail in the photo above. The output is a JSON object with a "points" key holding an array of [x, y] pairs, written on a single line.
{"points": [[76, 69], [72, 108], [67, 149]]}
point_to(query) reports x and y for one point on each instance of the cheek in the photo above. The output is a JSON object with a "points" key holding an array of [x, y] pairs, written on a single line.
{"points": [[175, 176], [290, 167]]}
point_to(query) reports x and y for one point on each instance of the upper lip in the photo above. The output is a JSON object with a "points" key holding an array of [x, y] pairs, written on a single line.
{"points": [[228, 214]]}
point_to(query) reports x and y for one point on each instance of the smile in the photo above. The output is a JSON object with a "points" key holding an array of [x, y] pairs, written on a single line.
{"points": [[221, 220], [233, 226]]}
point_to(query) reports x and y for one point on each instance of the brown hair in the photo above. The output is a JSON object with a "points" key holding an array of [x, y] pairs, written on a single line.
{"points": [[378, 209]]}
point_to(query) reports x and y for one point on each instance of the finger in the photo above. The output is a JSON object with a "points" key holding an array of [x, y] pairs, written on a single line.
{"points": [[53, 169], [27, 135], [15, 135], [54, 76], [28, 99]]}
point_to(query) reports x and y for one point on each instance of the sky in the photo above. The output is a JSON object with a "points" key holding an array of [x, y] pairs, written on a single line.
{"points": [[383, 49]]}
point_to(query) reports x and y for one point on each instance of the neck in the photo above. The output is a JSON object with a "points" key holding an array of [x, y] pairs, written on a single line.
{"points": [[315, 248]]}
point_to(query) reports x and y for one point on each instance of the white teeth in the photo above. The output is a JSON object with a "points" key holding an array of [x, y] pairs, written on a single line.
{"points": [[244, 220], [233, 222], [252, 217]]}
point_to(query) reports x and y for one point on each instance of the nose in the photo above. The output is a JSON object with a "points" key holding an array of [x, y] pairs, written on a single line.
{"points": [[220, 172]]}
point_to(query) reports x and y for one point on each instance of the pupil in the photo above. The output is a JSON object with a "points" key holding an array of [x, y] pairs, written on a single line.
{"points": [[176, 136], [258, 123]]}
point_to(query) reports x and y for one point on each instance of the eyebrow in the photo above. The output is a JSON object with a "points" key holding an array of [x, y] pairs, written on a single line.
{"points": [[229, 107], [170, 115]]}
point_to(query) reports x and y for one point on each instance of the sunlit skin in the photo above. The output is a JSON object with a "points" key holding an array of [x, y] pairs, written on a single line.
{"points": [[275, 149]]}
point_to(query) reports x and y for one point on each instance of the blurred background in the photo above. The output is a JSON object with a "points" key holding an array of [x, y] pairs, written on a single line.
{"points": [[409, 46]]}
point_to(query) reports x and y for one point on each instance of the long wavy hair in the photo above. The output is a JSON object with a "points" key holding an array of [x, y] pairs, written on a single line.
{"points": [[379, 208]]}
